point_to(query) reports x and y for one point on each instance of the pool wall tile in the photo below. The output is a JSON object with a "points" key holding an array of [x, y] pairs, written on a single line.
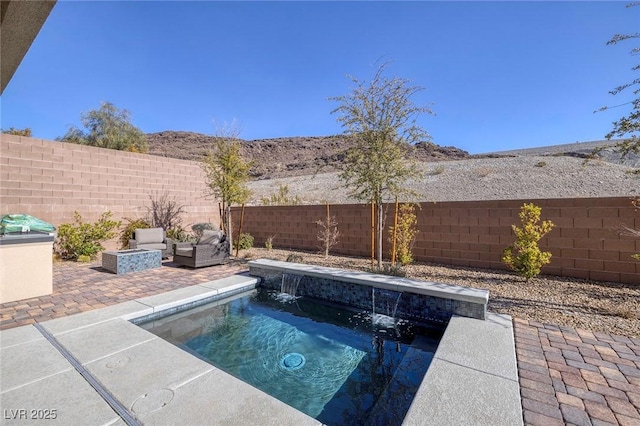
{"points": [[331, 288]]}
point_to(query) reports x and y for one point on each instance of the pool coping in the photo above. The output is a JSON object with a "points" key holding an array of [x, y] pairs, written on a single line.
{"points": [[479, 354], [386, 282]]}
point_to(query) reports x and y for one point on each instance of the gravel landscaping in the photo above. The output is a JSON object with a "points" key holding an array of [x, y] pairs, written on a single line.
{"points": [[609, 307], [510, 178]]}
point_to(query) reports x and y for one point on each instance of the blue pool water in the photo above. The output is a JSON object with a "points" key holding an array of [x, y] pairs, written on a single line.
{"points": [[339, 366]]}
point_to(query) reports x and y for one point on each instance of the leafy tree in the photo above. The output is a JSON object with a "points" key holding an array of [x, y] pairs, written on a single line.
{"points": [[227, 173], [107, 127], [18, 132], [627, 126], [524, 256], [381, 118]]}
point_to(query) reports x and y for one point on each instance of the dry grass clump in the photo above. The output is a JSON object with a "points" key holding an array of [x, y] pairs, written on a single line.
{"points": [[484, 171]]}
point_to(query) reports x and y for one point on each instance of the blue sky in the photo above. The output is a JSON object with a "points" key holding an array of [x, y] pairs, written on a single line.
{"points": [[498, 75]]}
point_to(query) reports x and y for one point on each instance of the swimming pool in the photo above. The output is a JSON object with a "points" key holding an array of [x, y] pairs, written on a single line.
{"points": [[333, 363]]}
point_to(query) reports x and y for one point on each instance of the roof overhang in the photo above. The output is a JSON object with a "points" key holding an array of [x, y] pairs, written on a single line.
{"points": [[20, 22]]}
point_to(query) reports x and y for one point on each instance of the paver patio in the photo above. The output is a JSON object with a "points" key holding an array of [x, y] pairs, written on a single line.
{"points": [[567, 376]]}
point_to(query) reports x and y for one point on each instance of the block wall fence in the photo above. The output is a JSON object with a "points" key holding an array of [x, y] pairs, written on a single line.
{"points": [[49, 180], [585, 242]]}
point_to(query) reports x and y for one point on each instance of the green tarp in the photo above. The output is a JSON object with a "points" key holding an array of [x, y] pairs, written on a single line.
{"points": [[12, 223]]}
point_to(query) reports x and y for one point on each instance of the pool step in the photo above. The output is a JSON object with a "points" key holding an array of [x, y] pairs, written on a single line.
{"points": [[405, 378]]}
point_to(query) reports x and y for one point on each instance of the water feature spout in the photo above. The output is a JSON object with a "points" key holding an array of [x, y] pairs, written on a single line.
{"points": [[387, 305], [290, 284]]}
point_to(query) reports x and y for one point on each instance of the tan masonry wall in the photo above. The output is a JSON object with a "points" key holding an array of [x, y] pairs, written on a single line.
{"points": [[584, 243], [49, 180]]}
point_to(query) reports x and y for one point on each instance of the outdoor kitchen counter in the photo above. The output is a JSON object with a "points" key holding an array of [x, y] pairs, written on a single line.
{"points": [[26, 266]]}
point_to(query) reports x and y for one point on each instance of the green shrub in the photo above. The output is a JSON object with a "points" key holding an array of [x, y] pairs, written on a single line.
{"points": [[524, 256], [245, 242], [541, 164], [405, 234], [295, 258], [128, 230], [84, 239]]}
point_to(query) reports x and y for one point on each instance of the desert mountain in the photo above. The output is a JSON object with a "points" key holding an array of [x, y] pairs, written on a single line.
{"points": [[282, 157]]}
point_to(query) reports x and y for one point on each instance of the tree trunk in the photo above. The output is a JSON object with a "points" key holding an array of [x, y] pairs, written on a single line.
{"points": [[327, 237], [228, 225], [380, 226], [373, 232], [240, 230], [395, 234]]}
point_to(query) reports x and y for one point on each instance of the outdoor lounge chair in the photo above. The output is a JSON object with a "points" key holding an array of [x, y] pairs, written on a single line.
{"points": [[152, 239], [212, 248]]}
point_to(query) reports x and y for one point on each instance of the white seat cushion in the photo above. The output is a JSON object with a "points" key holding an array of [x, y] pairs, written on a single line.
{"points": [[149, 236]]}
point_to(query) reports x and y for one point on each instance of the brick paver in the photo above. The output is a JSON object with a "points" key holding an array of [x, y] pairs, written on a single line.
{"points": [[567, 376], [588, 378], [80, 287]]}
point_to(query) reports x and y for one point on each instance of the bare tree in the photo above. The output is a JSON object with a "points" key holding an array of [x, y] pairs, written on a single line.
{"points": [[328, 234]]}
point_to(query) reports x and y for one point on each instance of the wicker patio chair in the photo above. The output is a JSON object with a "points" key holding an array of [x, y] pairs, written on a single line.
{"points": [[211, 249]]}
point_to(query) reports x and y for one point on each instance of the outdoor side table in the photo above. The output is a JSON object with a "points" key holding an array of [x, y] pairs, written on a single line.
{"points": [[124, 261]]}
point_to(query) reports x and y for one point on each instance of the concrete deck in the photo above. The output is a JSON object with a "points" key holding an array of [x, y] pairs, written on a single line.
{"points": [[566, 376], [157, 382]]}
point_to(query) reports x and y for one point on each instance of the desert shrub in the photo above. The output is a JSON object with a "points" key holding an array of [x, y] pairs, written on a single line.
{"points": [[245, 242], [294, 258], [389, 269], [541, 164], [84, 239], [268, 243], [281, 198], [484, 171], [405, 233], [524, 256], [129, 229], [18, 132], [328, 234], [438, 170], [179, 234], [199, 228]]}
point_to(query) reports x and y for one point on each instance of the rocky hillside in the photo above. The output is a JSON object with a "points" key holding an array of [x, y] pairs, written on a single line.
{"points": [[282, 157], [546, 172]]}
